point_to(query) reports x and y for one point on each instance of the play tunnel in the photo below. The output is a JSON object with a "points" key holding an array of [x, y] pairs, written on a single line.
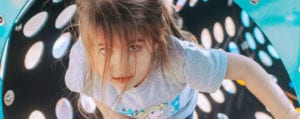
{"points": [[36, 37]]}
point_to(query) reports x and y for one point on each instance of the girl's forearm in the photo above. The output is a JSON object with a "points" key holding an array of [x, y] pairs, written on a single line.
{"points": [[259, 82], [267, 91]]}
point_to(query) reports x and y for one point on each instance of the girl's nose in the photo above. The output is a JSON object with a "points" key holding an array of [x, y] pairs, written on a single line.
{"points": [[118, 64]]}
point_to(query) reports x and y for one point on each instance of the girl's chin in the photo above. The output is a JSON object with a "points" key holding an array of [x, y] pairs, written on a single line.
{"points": [[122, 87]]}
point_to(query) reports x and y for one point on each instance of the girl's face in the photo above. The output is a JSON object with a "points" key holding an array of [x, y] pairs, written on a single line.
{"points": [[129, 65]]}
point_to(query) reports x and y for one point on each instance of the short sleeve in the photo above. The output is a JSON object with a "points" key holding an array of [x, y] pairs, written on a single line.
{"points": [[204, 69], [76, 72]]}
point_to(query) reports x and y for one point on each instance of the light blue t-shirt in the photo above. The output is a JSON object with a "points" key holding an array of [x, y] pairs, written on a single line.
{"points": [[172, 94]]}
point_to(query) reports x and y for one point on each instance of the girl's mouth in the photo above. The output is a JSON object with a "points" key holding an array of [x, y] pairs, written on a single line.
{"points": [[124, 79]]}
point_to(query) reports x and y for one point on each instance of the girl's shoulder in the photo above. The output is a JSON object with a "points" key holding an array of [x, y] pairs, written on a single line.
{"points": [[181, 48], [76, 68], [182, 45], [204, 69]]}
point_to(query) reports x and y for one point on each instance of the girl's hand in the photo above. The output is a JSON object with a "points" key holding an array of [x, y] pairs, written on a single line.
{"points": [[292, 114]]}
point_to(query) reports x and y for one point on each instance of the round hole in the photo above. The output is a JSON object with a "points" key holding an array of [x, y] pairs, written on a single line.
{"points": [[272, 52], [245, 19], [265, 58], [229, 3], [61, 45], [262, 115], [250, 41], [222, 116], [229, 86], [179, 5], [63, 109], [218, 96], [218, 32], [206, 38], [195, 115], [258, 35], [229, 26], [56, 1], [273, 78], [33, 55], [87, 104], [9, 97], [192, 3], [203, 103], [35, 24], [36, 114], [65, 16], [233, 48]]}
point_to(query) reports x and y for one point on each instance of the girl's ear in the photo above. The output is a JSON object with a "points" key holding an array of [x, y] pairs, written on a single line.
{"points": [[155, 46]]}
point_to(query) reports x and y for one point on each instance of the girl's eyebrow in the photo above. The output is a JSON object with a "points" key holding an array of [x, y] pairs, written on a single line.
{"points": [[134, 41]]}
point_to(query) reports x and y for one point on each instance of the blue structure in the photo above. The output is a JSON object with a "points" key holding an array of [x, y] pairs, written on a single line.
{"points": [[10, 12], [280, 21], [281, 26]]}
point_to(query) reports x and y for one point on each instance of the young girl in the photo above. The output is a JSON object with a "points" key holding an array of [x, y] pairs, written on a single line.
{"points": [[132, 62]]}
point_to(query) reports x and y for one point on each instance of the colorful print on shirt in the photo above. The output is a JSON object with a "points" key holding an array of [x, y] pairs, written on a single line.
{"points": [[163, 110]]}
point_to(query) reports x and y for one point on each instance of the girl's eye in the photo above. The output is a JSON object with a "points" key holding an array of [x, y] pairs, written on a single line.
{"points": [[134, 48], [102, 51]]}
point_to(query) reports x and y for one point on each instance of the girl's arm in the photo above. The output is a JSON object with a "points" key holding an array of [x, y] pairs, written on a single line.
{"points": [[261, 85], [107, 113]]}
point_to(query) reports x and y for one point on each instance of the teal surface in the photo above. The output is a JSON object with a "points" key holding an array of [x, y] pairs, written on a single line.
{"points": [[11, 11], [280, 21]]}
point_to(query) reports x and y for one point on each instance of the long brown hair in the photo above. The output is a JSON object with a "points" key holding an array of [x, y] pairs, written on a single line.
{"points": [[125, 20]]}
